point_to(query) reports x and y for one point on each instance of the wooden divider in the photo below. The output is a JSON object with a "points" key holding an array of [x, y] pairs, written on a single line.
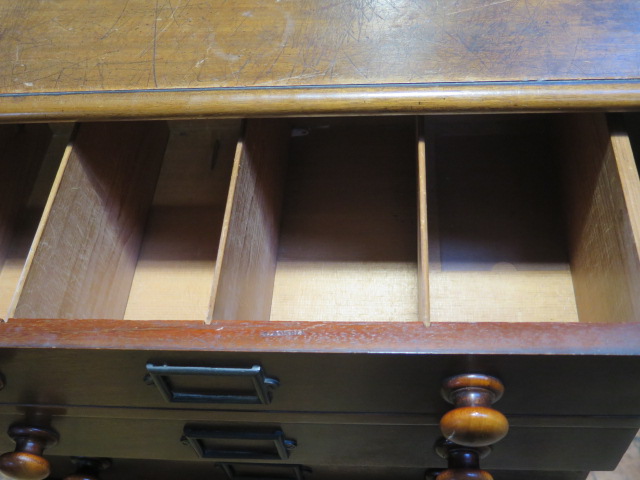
{"points": [[23, 150], [84, 254], [244, 273], [423, 237], [603, 214]]}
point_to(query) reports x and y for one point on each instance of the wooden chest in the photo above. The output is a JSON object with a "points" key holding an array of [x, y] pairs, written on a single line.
{"points": [[267, 270]]}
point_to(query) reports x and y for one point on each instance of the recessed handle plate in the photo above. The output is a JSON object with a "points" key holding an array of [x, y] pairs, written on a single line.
{"points": [[212, 443], [226, 385]]}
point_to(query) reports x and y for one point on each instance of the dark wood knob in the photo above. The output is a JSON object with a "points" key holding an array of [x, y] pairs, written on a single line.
{"points": [[463, 462], [473, 422], [26, 462], [88, 468]]}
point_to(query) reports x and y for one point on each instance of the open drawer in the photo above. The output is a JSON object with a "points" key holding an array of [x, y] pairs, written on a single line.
{"points": [[529, 219], [351, 234]]}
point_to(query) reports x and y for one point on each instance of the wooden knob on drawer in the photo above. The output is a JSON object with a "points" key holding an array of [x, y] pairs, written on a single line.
{"points": [[26, 462], [473, 422], [88, 468]]}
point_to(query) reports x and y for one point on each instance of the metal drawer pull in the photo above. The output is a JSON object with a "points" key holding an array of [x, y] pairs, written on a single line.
{"points": [[258, 388], [238, 445]]}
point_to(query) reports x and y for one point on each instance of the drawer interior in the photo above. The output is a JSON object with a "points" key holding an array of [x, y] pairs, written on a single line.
{"points": [[29, 158], [529, 220], [532, 218], [132, 224], [174, 269], [506, 218], [347, 245], [338, 211], [498, 241]]}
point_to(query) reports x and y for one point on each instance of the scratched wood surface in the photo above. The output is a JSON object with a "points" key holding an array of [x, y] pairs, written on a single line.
{"points": [[73, 46]]}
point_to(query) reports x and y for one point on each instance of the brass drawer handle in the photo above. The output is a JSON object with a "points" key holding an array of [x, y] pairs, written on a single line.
{"points": [[26, 462], [473, 423]]}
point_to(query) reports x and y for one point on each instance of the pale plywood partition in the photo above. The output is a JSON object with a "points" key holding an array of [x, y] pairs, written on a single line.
{"points": [[603, 216], [23, 150], [244, 274], [423, 238], [85, 251]]}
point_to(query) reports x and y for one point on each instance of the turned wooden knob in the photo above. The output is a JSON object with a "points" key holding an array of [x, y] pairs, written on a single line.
{"points": [[26, 462], [463, 462], [88, 468], [473, 422]]}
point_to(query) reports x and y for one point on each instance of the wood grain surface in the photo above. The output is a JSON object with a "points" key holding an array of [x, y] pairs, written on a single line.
{"points": [[423, 224], [244, 273], [499, 249], [84, 253], [174, 270], [74, 46], [70, 59], [387, 337], [603, 218], [349, 224]]}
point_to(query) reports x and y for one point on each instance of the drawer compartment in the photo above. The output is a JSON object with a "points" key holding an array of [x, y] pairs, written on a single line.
{"points": [[340, 244], [532, 219], [529, 219], [29, 155], [132, 223]]}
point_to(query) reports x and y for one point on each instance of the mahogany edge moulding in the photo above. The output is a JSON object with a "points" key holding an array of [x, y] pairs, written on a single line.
{"points": [[369, 99], [333, 337]]}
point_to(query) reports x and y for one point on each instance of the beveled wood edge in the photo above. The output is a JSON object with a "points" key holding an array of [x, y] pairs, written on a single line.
{"points": [[372, 99], [326, 337], [306, 417]]}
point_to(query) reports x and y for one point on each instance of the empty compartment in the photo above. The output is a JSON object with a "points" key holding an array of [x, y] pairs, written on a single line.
{"points": [[322, 223], [132, 224], [29, 155], [529, 220]]}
